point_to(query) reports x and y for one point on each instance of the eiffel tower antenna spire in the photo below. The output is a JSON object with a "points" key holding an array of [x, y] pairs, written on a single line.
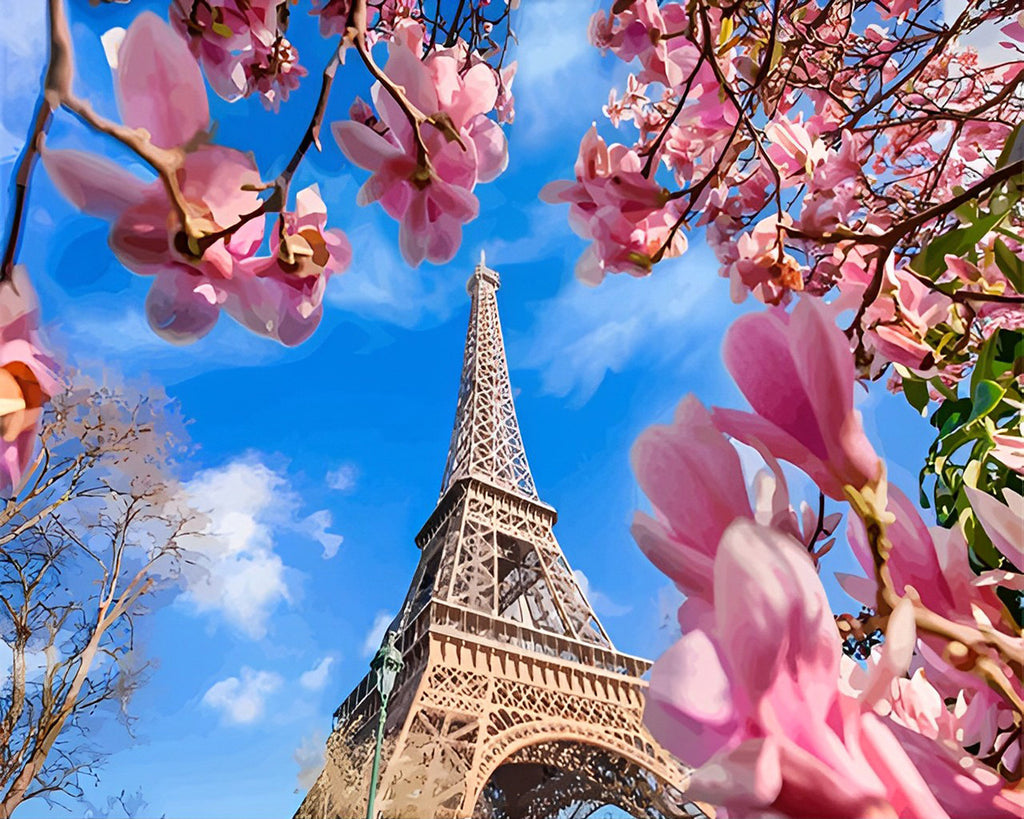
{"points": [[486, 442]]}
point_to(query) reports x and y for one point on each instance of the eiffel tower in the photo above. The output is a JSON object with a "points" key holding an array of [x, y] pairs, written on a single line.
{"points": [[512, 701]]}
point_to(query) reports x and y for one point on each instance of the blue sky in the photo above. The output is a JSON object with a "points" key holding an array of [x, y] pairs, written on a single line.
{"points": [[320, 464]]}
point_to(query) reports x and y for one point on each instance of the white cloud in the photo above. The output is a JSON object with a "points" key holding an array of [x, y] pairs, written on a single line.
{"points": [[310, 758], [343, 479], [239, 574], [375, 636], [316, 526], [242, 701], [242, 576], [601, 602], [316, 678], [583, 333]]}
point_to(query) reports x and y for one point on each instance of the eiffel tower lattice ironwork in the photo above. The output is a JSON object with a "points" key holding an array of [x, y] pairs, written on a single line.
{"points": [[512, 701]]}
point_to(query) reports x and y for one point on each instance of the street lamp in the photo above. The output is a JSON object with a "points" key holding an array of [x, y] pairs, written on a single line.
{"points": [[385, 666]]}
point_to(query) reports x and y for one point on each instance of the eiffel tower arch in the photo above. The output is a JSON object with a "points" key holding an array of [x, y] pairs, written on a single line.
{"points": [[512, 701]]}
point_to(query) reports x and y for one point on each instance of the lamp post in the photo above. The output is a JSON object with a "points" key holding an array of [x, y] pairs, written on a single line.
{"points": [[385, 665]]}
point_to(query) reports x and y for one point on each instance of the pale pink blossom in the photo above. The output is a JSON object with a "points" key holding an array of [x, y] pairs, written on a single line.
{"points": [[28, 378], [431, 203], [282, 295], [751, 696], [796, 370], [794, 148], [623, 211], [333, 15], [900, 319], [692, 476], [241, 46], [638, 32], [1009, 450], [761, 264]]}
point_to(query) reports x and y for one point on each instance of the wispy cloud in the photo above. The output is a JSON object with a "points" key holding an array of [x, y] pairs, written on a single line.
{"points": [[309, 756], [22, 56], [242, 700], [316, 526], [316, 678], [380, 285], [375, 636], [583, 333], [343, 479], [601, 602], [562, 79]]}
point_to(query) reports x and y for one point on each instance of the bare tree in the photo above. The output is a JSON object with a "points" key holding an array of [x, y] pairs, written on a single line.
{"points": [[97, 530]]}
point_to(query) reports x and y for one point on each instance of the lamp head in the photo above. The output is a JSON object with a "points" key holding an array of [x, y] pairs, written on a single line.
{"points": [[386, 664]]}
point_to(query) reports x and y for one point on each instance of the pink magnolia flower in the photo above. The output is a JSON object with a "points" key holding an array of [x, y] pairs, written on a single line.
{"points": [[692, 476], [334, 15], [432, 204], [794, 148], [28, 378], [241, 46], [751, 696], [189, 290], [902, 317], [637, 32], [761, 264], [282, 296], [620, 209], [797, 372]]}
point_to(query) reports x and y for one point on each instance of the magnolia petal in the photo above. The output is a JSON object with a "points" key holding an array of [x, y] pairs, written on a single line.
{"points": [[159, 85], [692, 475], [759, 357], [691, 570], [861, 589], [444, 239], [896, 654], [1001, 523], [689, 706], [177, 310], [362, 145], [782, 625], [491, 148], [274, 303], [752, 429], [93, 183], [746, 778], [412, 231]]}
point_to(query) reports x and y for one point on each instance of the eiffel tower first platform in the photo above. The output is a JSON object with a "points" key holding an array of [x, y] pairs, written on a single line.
{"points": [[512, 701]]}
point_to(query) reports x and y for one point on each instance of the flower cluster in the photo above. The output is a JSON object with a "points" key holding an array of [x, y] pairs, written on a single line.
{"points": [[242, 45], [426, 160], [822, 154], [758, 693], [197, 274]]}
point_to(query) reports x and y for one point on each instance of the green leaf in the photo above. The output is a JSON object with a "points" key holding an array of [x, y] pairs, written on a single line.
{"points": [[950, 415], [930, 261], [985, 398], [916, 393], [1008, 147], [1010, 265]]}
